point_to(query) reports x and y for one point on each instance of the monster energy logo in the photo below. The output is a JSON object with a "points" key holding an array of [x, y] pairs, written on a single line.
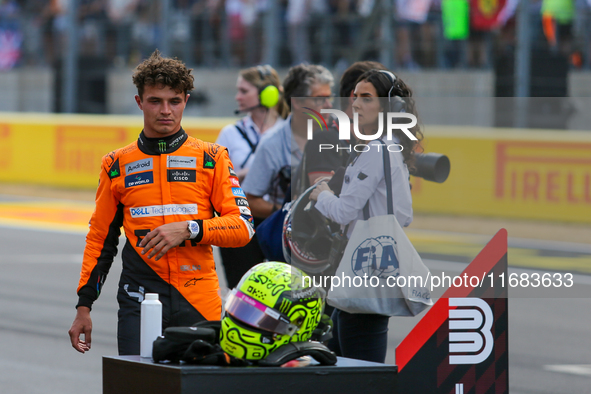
{"points": [[209, 164], [285, 305], [114, 173], [162, 146]]}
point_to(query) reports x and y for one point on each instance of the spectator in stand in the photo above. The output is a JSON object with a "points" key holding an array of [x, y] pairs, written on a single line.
{"points": [[180, 34], [92, 26], [241, 15], [52, 26], [209, 23], [411, 14], [146, 32], [121, 14], [505, 23], [345, 26], [483, 19], [33, 21], [557, 20], [297, 18], [11, 37], [455, 18], [432, 43]]}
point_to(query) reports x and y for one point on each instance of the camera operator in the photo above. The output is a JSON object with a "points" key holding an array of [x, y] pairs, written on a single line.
{"points": [[282, 148], [316, 164]]}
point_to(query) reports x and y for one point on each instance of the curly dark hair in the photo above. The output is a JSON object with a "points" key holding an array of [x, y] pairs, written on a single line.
{"points": [[352, 74], [163, 70], [383, 84]]}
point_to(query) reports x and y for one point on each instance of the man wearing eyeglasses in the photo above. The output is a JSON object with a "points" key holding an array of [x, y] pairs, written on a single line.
{"points": [[281, 151], [316, 164]]}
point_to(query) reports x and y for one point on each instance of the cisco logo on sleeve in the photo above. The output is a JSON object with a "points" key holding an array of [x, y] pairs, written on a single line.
{"points": [[140, 165], [163, 210]]}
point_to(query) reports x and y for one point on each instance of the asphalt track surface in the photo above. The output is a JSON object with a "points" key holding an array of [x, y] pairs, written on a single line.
{"points": [[42, 244]]}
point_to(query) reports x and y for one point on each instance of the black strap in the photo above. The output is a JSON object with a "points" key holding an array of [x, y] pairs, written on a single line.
{"points": [[292, 350], [252, 146], [352, 156], [366, 211], [388, 180], [301, 178], [243, 134]]}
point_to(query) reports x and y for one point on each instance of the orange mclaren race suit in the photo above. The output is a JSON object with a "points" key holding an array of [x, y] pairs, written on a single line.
{"points": [[144, 185]]}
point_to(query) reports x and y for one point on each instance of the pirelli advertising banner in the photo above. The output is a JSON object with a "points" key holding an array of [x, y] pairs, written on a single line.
{"points": [[66, 150], [534, 174]]}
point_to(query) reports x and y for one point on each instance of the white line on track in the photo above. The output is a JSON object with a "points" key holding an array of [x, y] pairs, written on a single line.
{"points": [[572, 369], [42, 258], [43, 226], [513, 242]]}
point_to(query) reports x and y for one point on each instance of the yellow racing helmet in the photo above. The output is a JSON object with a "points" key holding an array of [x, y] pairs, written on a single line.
{"points": [[273, 304]]}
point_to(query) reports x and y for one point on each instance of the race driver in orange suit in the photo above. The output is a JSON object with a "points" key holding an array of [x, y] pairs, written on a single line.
{"points": [[175, 196]]}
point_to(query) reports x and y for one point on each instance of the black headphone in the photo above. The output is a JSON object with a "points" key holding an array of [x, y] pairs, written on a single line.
{"points": [[264, 70], [395, 103]]}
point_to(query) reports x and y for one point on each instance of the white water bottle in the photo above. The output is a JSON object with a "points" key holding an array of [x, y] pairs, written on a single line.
{"points": [[151, 323]]}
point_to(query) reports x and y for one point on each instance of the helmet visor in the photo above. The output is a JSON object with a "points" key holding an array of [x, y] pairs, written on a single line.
{"points": [[255, 314]]}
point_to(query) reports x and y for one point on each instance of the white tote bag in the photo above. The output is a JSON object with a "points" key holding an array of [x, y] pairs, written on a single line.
{"points": [[380, 271]]}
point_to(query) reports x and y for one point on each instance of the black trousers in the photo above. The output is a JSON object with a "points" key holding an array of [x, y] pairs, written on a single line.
{"points": [[360, 336], [239, 260], [176, 310]]}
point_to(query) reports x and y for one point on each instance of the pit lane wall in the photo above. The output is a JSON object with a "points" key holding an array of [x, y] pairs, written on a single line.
{"points": [[536, 174]]}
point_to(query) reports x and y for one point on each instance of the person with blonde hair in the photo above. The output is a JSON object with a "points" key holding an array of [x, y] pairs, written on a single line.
{"points": [[259, 94]]}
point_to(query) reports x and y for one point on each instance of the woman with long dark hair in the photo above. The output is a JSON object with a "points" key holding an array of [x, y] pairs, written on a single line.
{"points": [[363, 195]]}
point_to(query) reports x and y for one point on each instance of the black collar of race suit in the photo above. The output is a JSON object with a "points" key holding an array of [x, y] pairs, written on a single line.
{"points": [[158, 146]]}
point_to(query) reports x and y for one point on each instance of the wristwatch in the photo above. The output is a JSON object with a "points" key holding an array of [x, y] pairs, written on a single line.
{"points": [[193, 229]]}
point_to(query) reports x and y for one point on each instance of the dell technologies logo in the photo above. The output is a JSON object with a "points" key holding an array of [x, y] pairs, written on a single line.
{"points": [[163, 210]]}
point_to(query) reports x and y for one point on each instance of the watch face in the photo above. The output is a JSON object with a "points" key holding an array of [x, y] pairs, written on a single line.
{"points": [[194, 228]]}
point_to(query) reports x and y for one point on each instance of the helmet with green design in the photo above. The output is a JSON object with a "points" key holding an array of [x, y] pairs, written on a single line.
{"points": [[273, 304]]}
